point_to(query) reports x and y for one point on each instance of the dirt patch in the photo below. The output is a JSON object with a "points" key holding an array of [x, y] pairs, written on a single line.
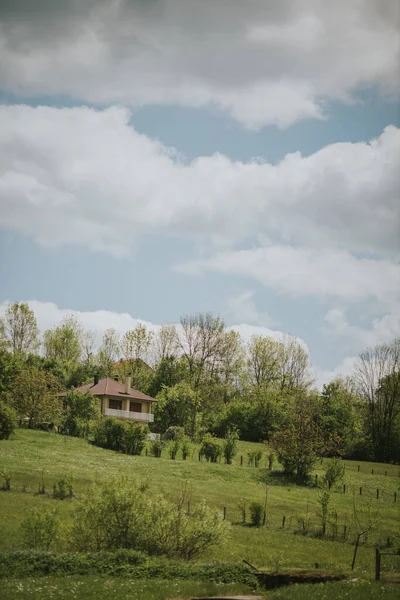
{"points": [[271, 581]]}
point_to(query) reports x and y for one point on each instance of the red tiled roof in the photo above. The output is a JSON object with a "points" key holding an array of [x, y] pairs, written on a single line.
{"points": [[109, 387]]}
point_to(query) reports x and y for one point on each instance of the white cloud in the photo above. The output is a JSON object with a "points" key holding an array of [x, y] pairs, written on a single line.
{"points": [[344, 369], [382, 329], [260, 62], [243, 308], [80, 176], [306, 272]]}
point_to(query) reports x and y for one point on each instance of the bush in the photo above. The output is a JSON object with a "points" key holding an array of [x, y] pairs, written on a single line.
{"points": [[174, 433], [229, 446], [121, 515], [210, 449], [334, 472], [63, 488], [254, 457], [80, 410], [256, 513], [40, 530], [174, 448], [113, 434], [7, 421], [134, 438], [156, 448], [271, 460]]}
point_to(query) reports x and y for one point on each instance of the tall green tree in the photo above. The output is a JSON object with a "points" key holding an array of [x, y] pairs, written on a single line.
{"points": [[35, 396], [80, 409], [109, 351], [63, 343], [377, 375], [19, 332]]}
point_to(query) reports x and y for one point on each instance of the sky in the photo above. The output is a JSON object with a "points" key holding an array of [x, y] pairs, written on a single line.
{"points": [[161, 158]]}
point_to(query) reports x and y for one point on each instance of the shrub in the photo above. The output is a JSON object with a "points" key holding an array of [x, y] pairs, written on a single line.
{"points": [[271, 460], [210, 449], [134, 438], [109, 433], [256, 513], [80, 410], [334, 472], [229, 447], [174, 448], [174, 433], [63, 488], [7, 421], [7, 480], [156, 448], [254, 457], [186, 447], [121, 515], [40, 530]]}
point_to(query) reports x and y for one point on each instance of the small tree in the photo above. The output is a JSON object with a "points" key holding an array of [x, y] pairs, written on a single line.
{"points": [[365, 520], [210, 449], [186, 447], [324, 499], [7, 421], [256, 513], [229, 446], [174, 446], [18, 329], [334, 472], [40, 530]]}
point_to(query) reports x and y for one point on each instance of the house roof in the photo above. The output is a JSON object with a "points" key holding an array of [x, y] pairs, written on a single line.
{"points": [[109, 387]]}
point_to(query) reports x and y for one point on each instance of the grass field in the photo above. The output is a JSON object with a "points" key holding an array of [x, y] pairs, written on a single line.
{"points": [[31, 455]]}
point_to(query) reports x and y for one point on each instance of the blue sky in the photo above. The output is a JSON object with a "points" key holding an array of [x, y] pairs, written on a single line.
{"points": [[156, 174]]}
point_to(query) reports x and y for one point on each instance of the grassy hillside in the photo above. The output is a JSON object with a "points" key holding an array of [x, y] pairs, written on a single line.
{"points": [[31, 455]]}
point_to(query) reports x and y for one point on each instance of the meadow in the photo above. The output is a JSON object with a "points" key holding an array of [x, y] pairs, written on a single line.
{"points": [[34, 457]]}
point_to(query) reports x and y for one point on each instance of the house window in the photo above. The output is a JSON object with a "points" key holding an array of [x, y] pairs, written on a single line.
{"points": [[116, 404], [135, 407]]}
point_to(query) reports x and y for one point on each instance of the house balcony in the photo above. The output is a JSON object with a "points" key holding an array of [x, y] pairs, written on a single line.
{"points": [[127, 414]]}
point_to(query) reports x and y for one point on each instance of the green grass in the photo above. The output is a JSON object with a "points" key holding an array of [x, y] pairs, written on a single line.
{"points": [[69, 588], [361, 590], [32, 453]]}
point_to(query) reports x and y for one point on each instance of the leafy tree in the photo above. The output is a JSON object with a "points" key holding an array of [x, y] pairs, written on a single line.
{"points": [[167, 373], [298, 444], [18, 329], [63, 343], [109, 433], [7, 421], [135, 438], [337, 417], [229, 446], [109, 351], [35, 396], [165, 343], [176, 406], [334, 472], [377, 375], [135, 347], [80, 409], [263, 361], [10, 366]]}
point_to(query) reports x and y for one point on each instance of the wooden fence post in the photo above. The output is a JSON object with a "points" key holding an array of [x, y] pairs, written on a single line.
{"points": [[344, 531], [395, 496], [316, 478], [360, 491], [241, 460], [283, 522], [377, 564], [344, 488], [224, 513], [358, 468], [377, 493], [372, 471]]}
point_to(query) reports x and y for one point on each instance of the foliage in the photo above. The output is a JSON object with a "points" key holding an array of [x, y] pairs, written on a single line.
{"points": [[256, 509], [123, 515], [186, 447], [63, 344], [109, 351], [324, 498], [63, 488], [80, 410], [18, 329], [35, 396], [176, 406], [120, 436], [210, 449], [174, 433], [254, 457], [7, 421], [334, 472], [156, 448], [229, 446], [40, 530], [174, 447], [134, 438], [298, 445]]}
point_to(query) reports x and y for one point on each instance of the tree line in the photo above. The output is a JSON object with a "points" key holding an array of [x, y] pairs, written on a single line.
{"points": [[207, 380]]}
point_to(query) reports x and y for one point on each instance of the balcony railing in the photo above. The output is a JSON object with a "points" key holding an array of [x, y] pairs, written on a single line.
{"points": [[127, 414]]}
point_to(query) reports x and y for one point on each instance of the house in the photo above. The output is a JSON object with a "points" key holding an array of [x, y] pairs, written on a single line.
{"points": [[120, 400]]}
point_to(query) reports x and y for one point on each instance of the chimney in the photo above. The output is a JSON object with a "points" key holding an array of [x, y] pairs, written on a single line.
{"points": [[128, 385], [96, 379]]}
